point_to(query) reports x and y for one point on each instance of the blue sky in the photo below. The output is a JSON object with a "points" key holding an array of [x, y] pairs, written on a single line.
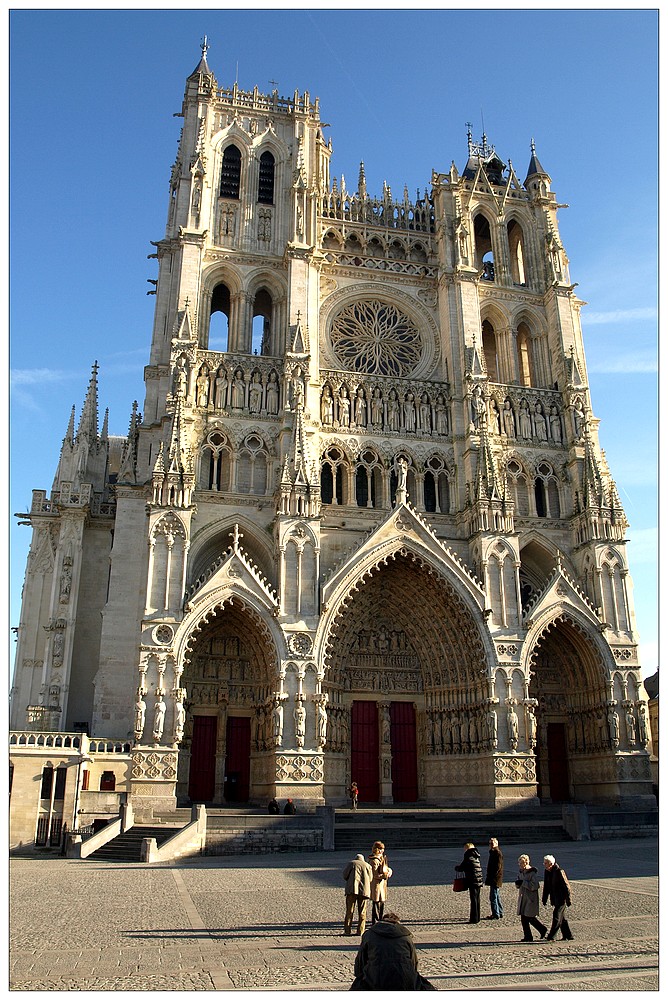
{"points": [[93, 138]]}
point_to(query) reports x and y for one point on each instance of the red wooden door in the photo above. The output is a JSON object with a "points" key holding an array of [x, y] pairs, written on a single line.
{"points": [[557, 762], [404, 751], [365, 757], [237, 761], [201, 787]]}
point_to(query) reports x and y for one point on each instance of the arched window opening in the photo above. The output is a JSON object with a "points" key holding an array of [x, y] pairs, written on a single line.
{"points": [[47, 781], [230, 176], [219, 322], [429, 493], [524, 358], [367, 480], [541, 500], [484, 254], [252, 467], [331, 241], [262, 312], [326, 484], [516, 248], [215, 464], [362, 487], [265, 191], [489, 350]]}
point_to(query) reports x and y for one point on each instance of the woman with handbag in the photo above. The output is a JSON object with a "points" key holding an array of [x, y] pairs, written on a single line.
{"points": [[528, 905], [381, 872], [472, 870]]}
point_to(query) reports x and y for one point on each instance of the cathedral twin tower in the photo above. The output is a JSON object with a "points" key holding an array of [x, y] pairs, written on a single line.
{"points": [[363, 528]]}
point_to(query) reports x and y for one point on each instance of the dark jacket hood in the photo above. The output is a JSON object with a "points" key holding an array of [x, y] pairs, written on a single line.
{"points": [[386, 929], [472, 853]]}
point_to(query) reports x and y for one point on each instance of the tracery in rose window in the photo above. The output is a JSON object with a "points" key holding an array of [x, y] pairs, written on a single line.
{"points": [[376, 338]]}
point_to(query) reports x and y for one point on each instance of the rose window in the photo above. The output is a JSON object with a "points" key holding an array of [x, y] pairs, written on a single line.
{"points": [[376, 338]]}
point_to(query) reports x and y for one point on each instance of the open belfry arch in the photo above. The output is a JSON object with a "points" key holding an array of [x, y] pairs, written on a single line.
{"points": [[363, 527]]}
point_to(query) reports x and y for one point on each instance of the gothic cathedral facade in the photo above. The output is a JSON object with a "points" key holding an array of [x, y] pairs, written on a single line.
{"points": [[363, 529]]}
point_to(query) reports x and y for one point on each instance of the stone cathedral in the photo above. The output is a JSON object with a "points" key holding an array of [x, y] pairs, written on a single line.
{"points": [[363, 528]]}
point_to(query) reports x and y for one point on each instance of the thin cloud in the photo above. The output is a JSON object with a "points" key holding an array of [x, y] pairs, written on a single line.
{"points": [[618, 315], [37, 376]]}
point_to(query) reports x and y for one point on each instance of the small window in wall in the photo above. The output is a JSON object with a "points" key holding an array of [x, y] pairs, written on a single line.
{"points": [[541, 502], [326, 484], [47, 782], [108, 781], [230, 177], [265, 193], [85, 780], [219, 319]]}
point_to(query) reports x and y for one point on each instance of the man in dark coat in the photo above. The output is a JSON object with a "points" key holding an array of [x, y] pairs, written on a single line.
{"points": [[556, 888], [357, 875], [274, 807], [387, 959], [494, 879], [470, 866], [290, 808]]}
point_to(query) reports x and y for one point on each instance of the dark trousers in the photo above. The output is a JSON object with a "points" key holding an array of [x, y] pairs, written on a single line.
{"points": [[528, 923], [559, 921], [474, 895], [377, 910]]}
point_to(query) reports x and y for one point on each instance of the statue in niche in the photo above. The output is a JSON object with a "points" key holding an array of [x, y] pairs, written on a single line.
{"points": [[578, 420], [425, 414], [377, 409], [203, 386], [630, 726], [441, 416], [555, 425], [278, 720], [613, 724], [386, 770], [58, 649], [179, 717], [360, 408], [409, 413], [66, 580], [327, 407], [540, 422], [238, 400], [298, 390], [181, 380], [508, 419], [344, 407], [272, 394], [393, 411], [385, 724], [322, 721], [300, 722], [531, 727], [159, 719], [494, 417], [197, 198], [140, 716], [513, 727], [473, 732], [642, 725], [477, 407], [255, 404], [525, 420], [402, 476]]}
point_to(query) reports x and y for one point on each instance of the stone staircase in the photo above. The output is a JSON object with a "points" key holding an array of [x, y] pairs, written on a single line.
{"points": [[411, 828], [127, 846]]}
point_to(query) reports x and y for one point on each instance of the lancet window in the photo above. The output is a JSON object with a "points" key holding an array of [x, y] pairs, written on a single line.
{"points": [[215, 463], [490, 350], [333, 477], [436, 487], [262, 325], [484, 253], [230, 177], [219, 323], [265, 192], [252, 464], [518, 483], [368, 480], [516, 252], [546, 492], [525, 359]]}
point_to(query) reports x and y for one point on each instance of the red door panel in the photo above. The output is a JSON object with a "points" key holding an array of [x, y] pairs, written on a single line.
{"points": [[237, 761], [202, 783], [557, 762], [404, 751], [365, 755]]}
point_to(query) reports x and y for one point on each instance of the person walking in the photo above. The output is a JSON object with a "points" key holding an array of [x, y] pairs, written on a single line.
{"points": [[528, 906], [353, 792], [381, 872], [470, 866], [494, 879], [357, 875], [556, 889], [387, 959]]}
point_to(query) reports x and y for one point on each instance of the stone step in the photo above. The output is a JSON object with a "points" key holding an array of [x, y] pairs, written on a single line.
{"points": [[127, 846], [396, 838]]}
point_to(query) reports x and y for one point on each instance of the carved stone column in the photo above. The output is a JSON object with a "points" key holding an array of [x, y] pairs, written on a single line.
{"points": [[386, 796]]}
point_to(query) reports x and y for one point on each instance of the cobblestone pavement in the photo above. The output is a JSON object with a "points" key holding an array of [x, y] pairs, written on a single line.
{"points": [[275, 923]]}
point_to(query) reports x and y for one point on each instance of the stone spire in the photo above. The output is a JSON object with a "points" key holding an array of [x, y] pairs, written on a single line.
{"points": [[83, 456], [89, 414], [535, 168], [300, 480], [128, 470], [174, 480]]}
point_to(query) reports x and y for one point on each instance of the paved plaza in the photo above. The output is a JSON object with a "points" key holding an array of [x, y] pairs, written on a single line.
{"points": [[275, 923]]}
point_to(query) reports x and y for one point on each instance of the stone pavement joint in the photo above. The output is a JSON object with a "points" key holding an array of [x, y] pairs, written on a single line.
{"points": [[274, 923]]}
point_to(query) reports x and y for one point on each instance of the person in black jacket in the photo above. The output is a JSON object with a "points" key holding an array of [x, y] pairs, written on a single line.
{"points": [[494, 879], [470, 866], [274, 807], [290, 808], [557, 889], [387, 959]]}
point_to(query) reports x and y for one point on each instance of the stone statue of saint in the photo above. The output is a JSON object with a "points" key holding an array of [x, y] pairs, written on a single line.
{"points": [[578, 420], [425, 414], [322, 723], [642, 725], [360, 408], [179, 718], [385, 726], [393, 411], [477, 407], [221, 389], [377, 409], [540, 422], [203, 386], [555, 425], [525, 420], [327, 407], [300, 723], [441, 416], [508, 419], [272, 394], [613, 723], [159, 719], [344, 407], [409, 413], [140, 717], [630, 726], [513, 727], [531, 727], [238, 400], [278, 721], [255, 403]]}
